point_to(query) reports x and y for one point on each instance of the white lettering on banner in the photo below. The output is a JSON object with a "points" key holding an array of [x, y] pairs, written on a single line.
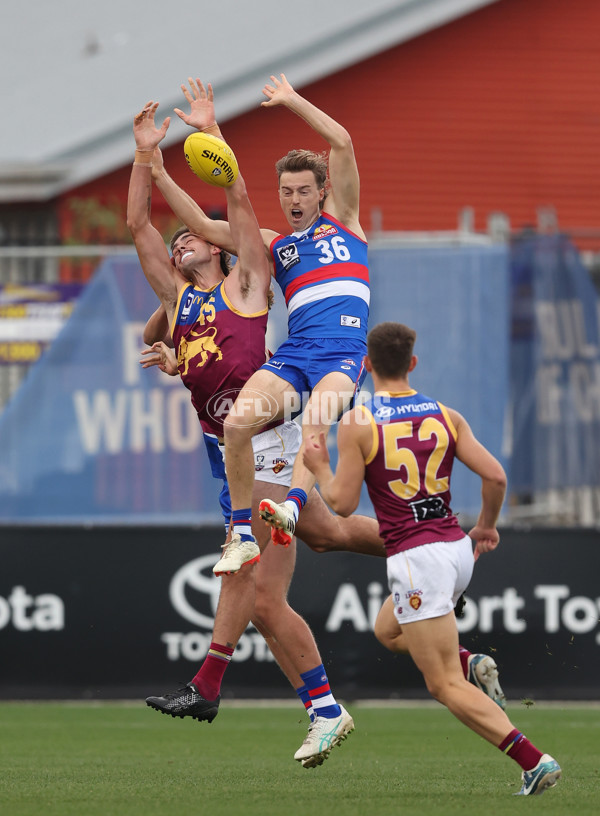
{"points": [[28, 613], [347, 606], [578, 614], [193, 646], [568, 378], [555, 394], [133, 344], [136, 420], [561, 326], [194, 585]]}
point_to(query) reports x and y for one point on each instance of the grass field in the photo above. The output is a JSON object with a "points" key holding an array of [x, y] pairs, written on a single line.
{"points": [[117, 759]]}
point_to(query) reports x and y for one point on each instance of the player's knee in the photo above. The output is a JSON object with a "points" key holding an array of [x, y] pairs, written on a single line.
{"points": [[266, 608], [237, 428]]}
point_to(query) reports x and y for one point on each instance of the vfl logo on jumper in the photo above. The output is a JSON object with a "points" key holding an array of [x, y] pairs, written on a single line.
{"points": [[279, 464], [350, 320], [259, 461], [188, 305], [430, 508], [201, 345], [288, 256], [323, 231], [414, 598]]}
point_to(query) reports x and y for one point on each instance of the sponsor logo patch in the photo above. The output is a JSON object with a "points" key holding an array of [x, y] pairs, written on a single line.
{"points": [[350, 320], [275, 363], [385, 412], [323, 231]]}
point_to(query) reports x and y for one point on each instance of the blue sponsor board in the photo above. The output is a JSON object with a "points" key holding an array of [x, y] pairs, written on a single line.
{"points": [[555, 368], [92, 435]]}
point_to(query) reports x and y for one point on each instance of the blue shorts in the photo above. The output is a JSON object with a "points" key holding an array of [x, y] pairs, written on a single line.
{"points": [[217, 468], [303, 362]]}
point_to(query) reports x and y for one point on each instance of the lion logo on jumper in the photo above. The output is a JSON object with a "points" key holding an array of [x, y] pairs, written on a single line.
{"points": [[201, 345]]}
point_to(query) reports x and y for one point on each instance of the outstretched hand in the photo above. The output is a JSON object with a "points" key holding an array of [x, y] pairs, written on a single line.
{"points": [[202, 109], [147, 135], [278, 93], [162, 356], [315, 452]]}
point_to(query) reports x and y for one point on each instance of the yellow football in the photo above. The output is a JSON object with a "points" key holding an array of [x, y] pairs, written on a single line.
{"points": [[211, 159]]}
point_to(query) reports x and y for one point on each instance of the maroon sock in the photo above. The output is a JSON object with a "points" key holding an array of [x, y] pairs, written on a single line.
{"points": [[210, 675], [521, 750], [464, 655]]}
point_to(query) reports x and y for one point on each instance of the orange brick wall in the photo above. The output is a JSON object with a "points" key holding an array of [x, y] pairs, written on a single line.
{"points": [[499, 110]]}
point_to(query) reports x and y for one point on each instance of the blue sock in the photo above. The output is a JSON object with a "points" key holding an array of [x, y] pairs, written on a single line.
{"points": [[242, 523], [304, 695], [324, 703], [296, 499]]}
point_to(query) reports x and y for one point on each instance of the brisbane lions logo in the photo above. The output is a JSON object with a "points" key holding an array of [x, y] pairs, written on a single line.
{"points": [[201, 345]]}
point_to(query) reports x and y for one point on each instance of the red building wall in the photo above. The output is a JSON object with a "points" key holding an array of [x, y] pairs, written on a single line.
{"points": [[499, 110]]}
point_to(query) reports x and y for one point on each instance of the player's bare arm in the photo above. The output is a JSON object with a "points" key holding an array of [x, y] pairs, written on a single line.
{"points": [[341, 491], [343, 199], [149, 244], [157, 328], [493, 483], [248, 283]]}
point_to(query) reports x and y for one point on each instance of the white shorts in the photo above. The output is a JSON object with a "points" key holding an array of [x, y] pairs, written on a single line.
{"points": [[427, 581], [275, 452]]}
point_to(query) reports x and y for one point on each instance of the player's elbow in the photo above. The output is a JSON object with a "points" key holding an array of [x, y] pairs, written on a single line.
{"points": [[498, 477], [149, 336], [495, 479], [135, 224], [343, 140], [343, 506]]}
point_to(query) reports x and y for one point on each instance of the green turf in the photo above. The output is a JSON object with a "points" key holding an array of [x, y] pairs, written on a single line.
{"points": [[60, 759]]}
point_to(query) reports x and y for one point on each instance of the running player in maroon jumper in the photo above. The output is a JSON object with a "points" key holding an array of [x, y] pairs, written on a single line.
{"points": [[403, 445]]}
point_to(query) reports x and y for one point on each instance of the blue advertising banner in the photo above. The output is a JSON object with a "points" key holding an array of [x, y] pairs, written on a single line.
{"points": [[91, 436], [555, 368], [457, 300]]}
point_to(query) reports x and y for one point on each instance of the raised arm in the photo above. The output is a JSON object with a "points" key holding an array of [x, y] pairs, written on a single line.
{"points": [[493, 483], [341, 491], [149, 244], [188, 211], [343, 199]]}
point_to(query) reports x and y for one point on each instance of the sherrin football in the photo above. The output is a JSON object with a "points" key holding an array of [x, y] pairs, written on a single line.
{"points": [[211, 159]]}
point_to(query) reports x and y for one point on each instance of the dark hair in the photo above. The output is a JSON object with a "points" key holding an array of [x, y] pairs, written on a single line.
{"points": [[225, 257], [298, 160], [390, 349]]}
